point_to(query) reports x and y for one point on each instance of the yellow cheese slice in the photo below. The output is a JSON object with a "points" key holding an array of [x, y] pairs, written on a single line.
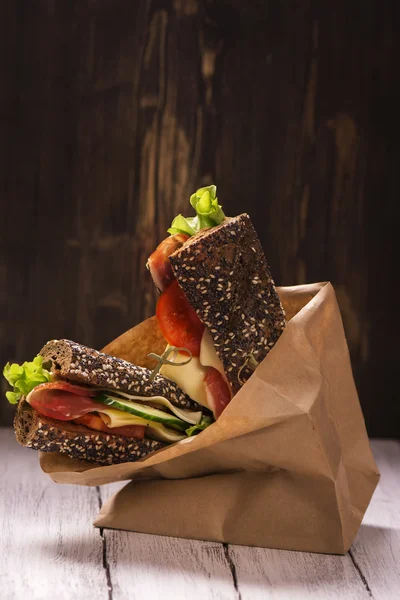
{"points": [[189, 377], [118, 418], [208, 354]]}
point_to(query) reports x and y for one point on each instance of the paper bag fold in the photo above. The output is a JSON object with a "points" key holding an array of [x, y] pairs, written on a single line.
{"points": [[287, 465]]}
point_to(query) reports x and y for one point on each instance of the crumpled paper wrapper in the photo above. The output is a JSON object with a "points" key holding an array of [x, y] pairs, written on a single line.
{"points": [[287, 465]]}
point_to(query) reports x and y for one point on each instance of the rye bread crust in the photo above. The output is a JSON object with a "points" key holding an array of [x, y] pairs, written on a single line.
{"points": [[84, 365], [225, 276], [35, 431]]}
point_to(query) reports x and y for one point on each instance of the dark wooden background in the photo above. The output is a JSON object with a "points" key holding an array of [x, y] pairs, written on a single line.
{"points": [[113, 112]]}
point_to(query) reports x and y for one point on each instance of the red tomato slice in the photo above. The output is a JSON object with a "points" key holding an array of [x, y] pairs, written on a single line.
{"points": [[178, 321], [217, 390], [62, 401], [95, 422]]}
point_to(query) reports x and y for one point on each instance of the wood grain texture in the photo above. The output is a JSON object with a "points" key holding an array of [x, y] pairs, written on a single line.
{"points": [[116, 111], [167, 568], [274, 574], [376, 549], [48, 547]]}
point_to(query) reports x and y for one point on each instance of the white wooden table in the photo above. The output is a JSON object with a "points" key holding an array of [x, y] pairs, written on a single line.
{"points": [[49, 548]]}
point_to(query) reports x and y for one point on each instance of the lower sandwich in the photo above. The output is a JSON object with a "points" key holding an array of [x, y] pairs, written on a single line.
{"points": [[85, 404]]}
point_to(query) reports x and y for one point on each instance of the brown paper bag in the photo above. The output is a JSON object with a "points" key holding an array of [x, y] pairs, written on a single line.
{"points": [[287, 465]]}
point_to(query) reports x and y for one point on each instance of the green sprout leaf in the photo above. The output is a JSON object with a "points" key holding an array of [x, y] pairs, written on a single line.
{"points": [[208, 213], [23, 378], [181, 225], [204, 423]]}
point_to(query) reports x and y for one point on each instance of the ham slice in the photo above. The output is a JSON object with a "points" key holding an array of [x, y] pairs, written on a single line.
{"points": [[62, 400], [158, 263], [217, 391]]}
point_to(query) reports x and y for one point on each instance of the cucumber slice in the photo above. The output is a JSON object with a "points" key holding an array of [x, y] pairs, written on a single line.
{"points": [[190, 416], [140, 410], [157, 431]]}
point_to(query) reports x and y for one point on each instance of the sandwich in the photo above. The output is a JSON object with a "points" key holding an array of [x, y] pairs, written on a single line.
{"points": [[89, 405], [219, 314], [217, 300]]}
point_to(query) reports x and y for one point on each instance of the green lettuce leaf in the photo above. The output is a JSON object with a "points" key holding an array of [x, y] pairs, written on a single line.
{"points": [[208, 213], [23, 378], [204, 423], [182, 225]]}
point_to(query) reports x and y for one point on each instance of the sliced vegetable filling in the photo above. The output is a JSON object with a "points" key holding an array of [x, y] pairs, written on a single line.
{"points": [[143, 411], [106, 412]]}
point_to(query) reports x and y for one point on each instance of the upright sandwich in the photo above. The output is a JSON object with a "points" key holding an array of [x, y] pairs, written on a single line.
{"points": [[218, 300], [220, 315]]}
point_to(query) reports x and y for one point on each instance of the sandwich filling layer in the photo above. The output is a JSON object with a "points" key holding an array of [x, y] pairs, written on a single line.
{"points": [[105, 410], [114, 411], [203, 378]]}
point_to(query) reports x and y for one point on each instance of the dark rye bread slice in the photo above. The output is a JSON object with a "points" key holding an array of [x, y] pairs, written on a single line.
{"points": [[85, 365], [35, 431], [225, 276]]}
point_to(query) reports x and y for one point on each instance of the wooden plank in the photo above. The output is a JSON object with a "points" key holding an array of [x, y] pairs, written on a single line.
{"points": [[164, 568], [275, 574], [48, 548], [376, 550], [167, 568], [44, 552]]}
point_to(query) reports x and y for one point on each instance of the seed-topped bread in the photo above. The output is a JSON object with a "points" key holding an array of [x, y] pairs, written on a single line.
{"points": [[225, 276], [35, 431], [85, 365]]}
